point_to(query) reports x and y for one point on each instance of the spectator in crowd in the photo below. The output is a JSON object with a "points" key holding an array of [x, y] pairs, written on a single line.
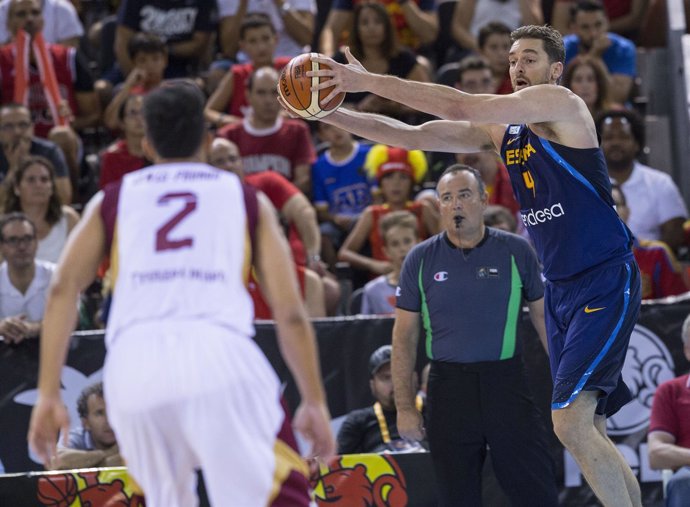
{"points": [[399, 232], [474, 76], [494, 175], [149, 57], [661, 274], [396, 170], [625, 18], [185, 27], [588, 79], [372, 42], [478, 394], [23, 280], [669, 431], [469, 16], [657, 209], [494, 45], [57, 113], [591, 36], [17, 140], [61, 23], [500, 217], [267, 140], [373, 429], [229, 101], [33, 193], [294, 23], [340, 189], [93, 444], [416, 23], [303, 233], [125, 154]]}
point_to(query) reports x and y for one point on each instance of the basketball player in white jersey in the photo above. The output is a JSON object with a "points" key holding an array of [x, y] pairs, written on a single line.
{"points": [[186, 385]]}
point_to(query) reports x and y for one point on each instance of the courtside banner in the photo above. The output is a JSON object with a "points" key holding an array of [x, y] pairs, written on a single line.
{"points": [[655, 355]]}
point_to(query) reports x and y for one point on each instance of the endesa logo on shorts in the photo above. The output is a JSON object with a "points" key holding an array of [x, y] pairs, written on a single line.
{"points": [[543, 215]]}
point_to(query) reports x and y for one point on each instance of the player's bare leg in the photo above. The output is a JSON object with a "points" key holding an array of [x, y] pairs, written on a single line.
{"points": [[630, 479], [597, 457]]}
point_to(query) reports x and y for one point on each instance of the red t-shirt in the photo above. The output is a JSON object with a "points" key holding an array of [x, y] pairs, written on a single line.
{"points": [[261, 308], [279, 191], [116, 161], [671, 410], [378, 211], [501, 192], [661, 275], [280, 148]]}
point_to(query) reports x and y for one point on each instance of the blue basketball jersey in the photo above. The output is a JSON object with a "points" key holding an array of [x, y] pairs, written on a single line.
{"points": [[565, 204]]}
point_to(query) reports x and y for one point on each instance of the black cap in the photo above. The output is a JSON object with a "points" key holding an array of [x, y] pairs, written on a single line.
{"points": [[378, 358]]}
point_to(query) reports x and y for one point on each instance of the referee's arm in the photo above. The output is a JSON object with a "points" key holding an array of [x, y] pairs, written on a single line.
{"points": [[405, 338]]}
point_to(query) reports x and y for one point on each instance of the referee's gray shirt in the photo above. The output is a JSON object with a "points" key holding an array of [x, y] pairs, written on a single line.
{"points": [[470, 299]]}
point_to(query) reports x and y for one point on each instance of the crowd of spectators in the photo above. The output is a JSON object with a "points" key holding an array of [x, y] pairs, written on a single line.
{"points": [[75, 127]]}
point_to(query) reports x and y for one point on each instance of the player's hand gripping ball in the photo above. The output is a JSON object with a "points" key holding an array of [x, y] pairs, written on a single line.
{"points": [[295, 89]]}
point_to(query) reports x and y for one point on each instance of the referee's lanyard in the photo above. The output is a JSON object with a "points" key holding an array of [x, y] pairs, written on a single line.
{"points": [[383, 425]]}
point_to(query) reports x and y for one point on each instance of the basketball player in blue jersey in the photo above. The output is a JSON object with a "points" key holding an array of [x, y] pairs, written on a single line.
{"points": [[547, 138]]}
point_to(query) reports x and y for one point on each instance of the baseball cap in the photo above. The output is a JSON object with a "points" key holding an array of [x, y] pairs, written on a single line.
{"points": [[378, 358]]}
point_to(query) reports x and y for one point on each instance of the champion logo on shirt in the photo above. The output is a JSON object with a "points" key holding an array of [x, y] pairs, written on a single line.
{"points": [[441, 276]]}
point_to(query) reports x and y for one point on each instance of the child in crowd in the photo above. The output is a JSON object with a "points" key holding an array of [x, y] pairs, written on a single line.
{"points": [[396, 170], [340, 189], [400, 233], [149, 56], [258, 39]]}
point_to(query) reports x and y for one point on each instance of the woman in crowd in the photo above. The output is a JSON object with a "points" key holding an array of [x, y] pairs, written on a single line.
{"points": [[588, 78], [373, 43], [31, 189]]}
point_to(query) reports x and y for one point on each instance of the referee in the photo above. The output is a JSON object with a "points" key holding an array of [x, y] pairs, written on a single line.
{"points": [[466, 285]]}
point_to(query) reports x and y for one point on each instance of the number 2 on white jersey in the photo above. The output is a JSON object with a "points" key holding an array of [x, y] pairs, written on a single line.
{"points": [[163, 240]]}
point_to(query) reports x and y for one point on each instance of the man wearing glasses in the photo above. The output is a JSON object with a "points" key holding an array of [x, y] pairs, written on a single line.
{"points": [[23, 280], [17, 140]]}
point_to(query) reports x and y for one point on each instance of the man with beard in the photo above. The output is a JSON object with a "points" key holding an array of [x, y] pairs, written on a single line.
{"points": [[373, 429], [591, 36], [547, 138], [657, 209]]}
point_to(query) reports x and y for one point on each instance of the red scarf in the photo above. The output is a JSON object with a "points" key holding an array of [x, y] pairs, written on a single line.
{"points": [[45, 71]]}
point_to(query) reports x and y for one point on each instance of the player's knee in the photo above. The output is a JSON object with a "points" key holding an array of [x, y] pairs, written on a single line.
{"points": [[569, 427]]}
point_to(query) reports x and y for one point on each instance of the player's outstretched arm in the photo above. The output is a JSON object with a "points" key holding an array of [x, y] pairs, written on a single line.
{"points": [[534, 104], [76, 270], [438, 135], [295, 333]]}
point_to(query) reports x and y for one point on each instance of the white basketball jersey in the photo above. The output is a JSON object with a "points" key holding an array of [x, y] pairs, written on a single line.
{"points": [[181, 249]]}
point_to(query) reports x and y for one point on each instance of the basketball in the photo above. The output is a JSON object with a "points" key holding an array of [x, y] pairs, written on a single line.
{"points": [[57, 490], [295, 89]]}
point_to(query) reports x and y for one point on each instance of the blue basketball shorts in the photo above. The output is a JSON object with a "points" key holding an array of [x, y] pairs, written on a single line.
{"points": [[589, 320]]}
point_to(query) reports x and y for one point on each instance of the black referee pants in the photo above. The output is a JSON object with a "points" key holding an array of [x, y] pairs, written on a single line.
{"points": [[471, 405]]}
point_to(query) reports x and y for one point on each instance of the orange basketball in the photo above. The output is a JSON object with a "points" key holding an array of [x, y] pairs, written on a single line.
{"points": [[295, 89], [57, 490]]}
